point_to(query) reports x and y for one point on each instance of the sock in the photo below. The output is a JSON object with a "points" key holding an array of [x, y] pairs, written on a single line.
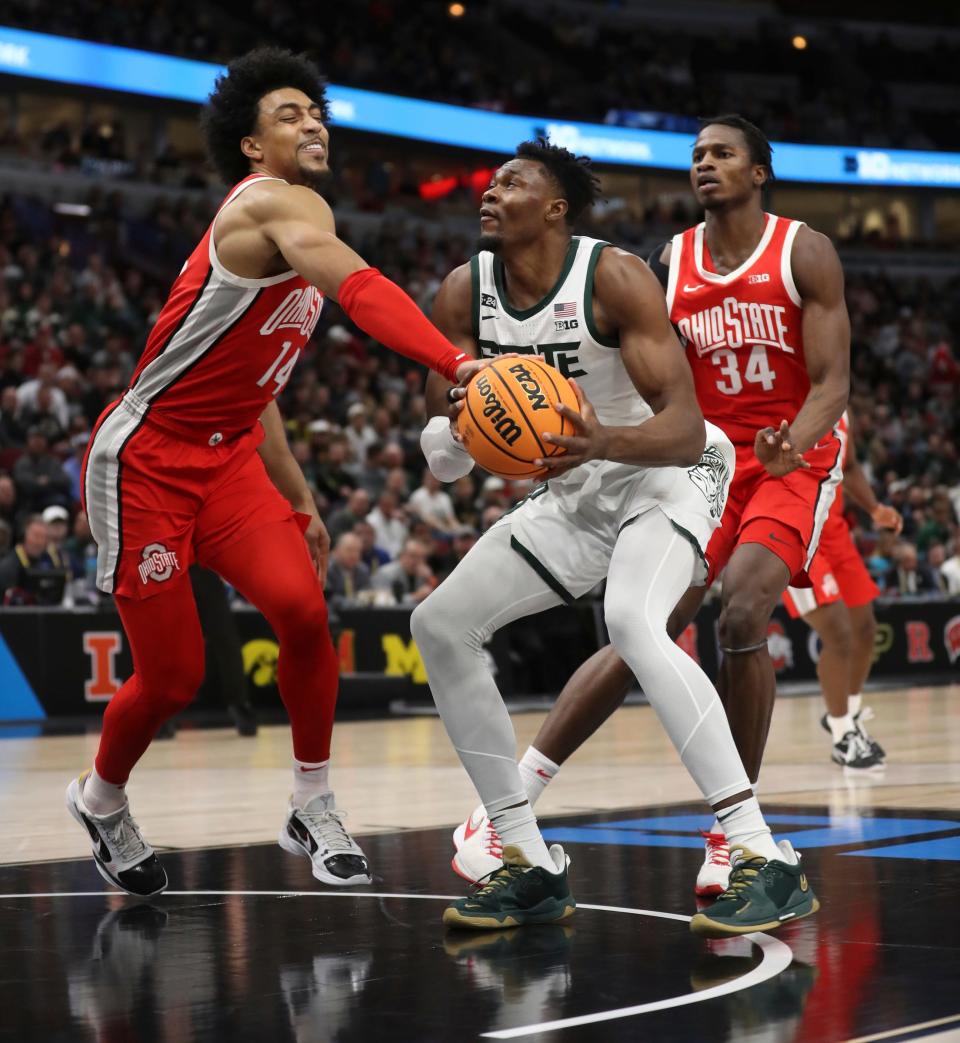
{"points": [[716, 827], [839, 726], [310, 779], [854, 704], [744, 826], [537, 772], [102, 797], [517, 825]]}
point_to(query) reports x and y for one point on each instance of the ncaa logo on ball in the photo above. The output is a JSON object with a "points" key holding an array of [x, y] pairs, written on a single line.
{"points": [[158, 563]]}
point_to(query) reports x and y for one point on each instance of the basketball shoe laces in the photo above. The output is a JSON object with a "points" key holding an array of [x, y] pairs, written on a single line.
{"points": [[329, 824], [126, 838], [718, 849], [492, 844], [499, 878], [742, 876]]}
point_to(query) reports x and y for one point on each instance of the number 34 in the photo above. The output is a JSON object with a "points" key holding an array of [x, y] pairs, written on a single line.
{"points": [[756, 371]]}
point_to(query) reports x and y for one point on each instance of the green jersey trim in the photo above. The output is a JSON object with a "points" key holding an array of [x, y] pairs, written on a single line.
{"points": [[540, 305], [607, 342], [475, 298], [542, 571]]}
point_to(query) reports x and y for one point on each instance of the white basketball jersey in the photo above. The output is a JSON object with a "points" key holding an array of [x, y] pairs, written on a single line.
{"points": [[560, 328]]}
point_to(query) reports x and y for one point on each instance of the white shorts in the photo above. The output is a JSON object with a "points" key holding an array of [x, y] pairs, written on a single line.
{"points": [[566, 529]]}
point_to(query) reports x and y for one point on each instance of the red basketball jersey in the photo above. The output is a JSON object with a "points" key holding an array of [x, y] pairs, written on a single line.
{"points": [[840, 428], [742, 331], [223, 346]]}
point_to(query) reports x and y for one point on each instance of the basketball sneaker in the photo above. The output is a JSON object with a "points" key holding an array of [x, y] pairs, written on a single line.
{"points": [[121, 855], [479, 850], [865, 714], [516, 894], [855, 753], [317, 831], [714, 874], [763, 894]]}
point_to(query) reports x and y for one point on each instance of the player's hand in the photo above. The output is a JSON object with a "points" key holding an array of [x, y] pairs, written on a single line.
{"points": [[318, 543], [589, 442], [466, 371], [774, 449], [885, 517]]}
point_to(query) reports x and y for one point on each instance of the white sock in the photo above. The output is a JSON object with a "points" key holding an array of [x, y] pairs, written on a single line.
{"points": [[854, 704], [102, 797], [536, 771], [716, 827], [310, 779], [744, 826], [839, 726], [518, 826]]}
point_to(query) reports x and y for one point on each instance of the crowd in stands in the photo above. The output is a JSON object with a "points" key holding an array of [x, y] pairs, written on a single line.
{"points": [[75, 311], [842, 87]]}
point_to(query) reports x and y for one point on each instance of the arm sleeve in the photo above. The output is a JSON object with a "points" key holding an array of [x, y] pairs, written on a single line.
{"points": [[379, 307]]}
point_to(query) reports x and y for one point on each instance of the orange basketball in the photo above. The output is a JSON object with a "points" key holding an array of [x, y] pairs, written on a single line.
{"points": [[509, 406]]}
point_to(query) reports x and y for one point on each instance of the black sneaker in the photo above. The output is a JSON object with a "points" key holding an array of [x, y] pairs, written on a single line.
{"points": [[122, 856], [866, 714], [516, 894], [317, 831], [854, 753]]}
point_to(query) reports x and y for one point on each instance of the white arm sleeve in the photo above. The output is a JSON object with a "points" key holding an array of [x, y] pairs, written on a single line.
{"points": [[446, 458]]}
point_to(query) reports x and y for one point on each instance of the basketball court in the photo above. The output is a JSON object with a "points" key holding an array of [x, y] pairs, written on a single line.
{"points": [[246, 945]]}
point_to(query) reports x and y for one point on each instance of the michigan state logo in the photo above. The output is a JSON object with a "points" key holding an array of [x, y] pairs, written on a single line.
{"points": [[711, 476]]}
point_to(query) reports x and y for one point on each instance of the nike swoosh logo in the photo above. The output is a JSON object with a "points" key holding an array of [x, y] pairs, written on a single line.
{"points": [[803, 883], [485, 317], [305, 770], [470, 828], [544, 774], [100, 845], [723, 818], [776, 539], [693, 289]]}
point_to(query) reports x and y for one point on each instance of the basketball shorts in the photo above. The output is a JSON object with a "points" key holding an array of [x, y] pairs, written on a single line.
{"points": [[786, 515], [159, 499], [837, 573], [567, 529]]}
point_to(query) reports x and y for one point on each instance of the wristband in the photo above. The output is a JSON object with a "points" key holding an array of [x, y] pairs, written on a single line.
{"points": [[445, 456]]}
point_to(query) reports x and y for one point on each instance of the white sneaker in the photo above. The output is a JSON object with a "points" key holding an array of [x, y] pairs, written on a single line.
{"points": [[122, 857], [714, 874], [479, 850], [317, 831]]}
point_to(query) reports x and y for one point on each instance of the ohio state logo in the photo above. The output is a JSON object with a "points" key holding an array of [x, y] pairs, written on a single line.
{"points": [[779, 646], [158, 563], [951, 638]]}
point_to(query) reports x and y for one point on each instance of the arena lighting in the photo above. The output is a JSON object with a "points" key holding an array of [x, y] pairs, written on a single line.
{"points": [[139, 72], [800, 42], [456, 10]]}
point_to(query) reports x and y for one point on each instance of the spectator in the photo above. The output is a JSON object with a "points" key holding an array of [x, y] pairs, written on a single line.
{"points": [[8, 500], [908, 577], [464, 496], [33, 573], [359, 434], [334, 481], [408, 579], [949, 572], [40, 479], [370, 554], [490, 516], [357, 508], [347, 575], [6, 536], [432, 505], [389, 523], [12, 431], [58, 526], [40, 400]]}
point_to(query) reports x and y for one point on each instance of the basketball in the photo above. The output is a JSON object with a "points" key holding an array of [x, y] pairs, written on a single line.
{"points": [[508, 408]]}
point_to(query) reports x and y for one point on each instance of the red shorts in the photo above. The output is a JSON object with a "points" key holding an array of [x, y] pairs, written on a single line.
{"points": [[784, 514], [158, 499], [837, 573]]}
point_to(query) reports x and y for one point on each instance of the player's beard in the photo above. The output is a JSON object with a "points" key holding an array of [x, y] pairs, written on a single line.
{"points": [[493, 243], [315, 179]]}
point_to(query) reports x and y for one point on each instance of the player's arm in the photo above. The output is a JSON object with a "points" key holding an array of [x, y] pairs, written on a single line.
{"points": [[857, 489], [300, 224], [826, 347], [632, 302], [285, 473], [451, 314]]}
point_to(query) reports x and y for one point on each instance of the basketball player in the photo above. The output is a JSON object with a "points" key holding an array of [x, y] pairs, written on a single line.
{"points": [[839, 607], [640, 489], [758, 300], [191, 463]]}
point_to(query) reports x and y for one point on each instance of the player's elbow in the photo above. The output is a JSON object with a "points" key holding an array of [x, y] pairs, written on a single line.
{"points": [[693, 442]]}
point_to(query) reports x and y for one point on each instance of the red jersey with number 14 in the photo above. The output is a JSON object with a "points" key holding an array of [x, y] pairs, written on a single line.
{"points": [[223, 347], [742, 331]]}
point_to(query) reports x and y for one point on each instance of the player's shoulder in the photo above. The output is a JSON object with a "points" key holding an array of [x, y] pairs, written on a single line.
{"points": [[270, 198], [815, 263], [619, 271]]}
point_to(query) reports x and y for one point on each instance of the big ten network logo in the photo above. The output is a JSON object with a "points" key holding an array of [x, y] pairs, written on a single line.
{"points": [[102, 646]]}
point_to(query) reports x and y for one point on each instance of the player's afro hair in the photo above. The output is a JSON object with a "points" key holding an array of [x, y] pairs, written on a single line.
{"points": [[761, 154], [231, 110], [576, 180]]}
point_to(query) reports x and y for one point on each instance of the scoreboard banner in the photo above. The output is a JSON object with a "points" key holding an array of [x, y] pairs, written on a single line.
{"points": [[86, 64], [66, 663]]}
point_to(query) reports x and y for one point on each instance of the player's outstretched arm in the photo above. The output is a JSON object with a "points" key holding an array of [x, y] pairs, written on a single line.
{"points": [[826, 337], [630, 300], [285, 473], [299, 223], [857, 488]]}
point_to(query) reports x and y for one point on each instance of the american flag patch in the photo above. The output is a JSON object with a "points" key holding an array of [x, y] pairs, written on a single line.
{"points": [[565, 311]]}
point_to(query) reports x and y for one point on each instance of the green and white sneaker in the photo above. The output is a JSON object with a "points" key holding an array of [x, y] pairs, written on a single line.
{"points": [[516, 894], [763, 894]]}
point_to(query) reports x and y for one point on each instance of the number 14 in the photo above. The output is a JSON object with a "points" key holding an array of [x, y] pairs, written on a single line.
{"points": [[282, 375], [756, 371]]}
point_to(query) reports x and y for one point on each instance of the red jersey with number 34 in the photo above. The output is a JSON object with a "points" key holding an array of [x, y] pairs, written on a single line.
{"points": [[742, 331], [223, 347]]}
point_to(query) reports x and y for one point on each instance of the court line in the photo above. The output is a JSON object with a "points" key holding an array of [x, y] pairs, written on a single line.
{"points": [[775, 955], [890, 1033]]}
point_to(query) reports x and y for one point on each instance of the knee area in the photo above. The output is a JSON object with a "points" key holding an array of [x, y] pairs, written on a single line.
{"points": [[864, 631], [626, 625], [837, 636], [426, 622], [175, 682], [743, 621], [300, 618]]}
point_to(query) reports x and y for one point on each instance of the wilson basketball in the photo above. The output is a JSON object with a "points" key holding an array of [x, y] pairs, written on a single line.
{"points": [[509, 407]]}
